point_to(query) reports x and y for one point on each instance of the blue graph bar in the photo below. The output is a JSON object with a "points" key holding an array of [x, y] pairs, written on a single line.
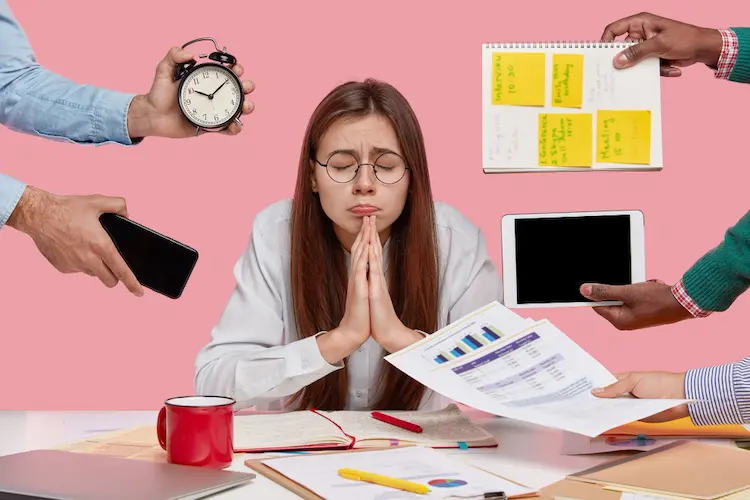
{"points": [[471, 342], [489, 334], [457, 351], [440, 359]]}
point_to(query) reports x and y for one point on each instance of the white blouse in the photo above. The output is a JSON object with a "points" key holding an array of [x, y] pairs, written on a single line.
{"points": [[256, 355]]}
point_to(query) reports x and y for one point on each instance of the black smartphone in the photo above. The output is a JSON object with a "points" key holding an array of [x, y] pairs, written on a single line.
{"points": [[157, 261]]}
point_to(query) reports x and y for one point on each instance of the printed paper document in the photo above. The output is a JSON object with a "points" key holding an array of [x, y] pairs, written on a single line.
{"points": [[496, 361]]}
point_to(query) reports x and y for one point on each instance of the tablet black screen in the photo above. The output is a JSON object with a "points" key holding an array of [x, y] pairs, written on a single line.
{"points": [[555, 256]]}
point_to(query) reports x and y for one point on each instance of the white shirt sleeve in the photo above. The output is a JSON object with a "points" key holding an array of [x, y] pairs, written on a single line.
{"points": [[482, 281], [248, 358]]}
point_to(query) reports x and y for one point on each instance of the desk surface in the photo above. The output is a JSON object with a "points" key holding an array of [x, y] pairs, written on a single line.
{"points": [[527, 453]]}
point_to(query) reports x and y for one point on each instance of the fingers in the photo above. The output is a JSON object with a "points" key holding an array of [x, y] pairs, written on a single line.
{"points": [[247, 86], [668, 70], [625, 384], [175, 56], [121, 271], [238, 69], [111, 204], [233, 129], [619, 27], [358, 239], [360, 254], [635, 53], [101, 271]]}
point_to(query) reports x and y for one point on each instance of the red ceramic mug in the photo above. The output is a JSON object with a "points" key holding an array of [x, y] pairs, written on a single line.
{"points": [[197, 430]]}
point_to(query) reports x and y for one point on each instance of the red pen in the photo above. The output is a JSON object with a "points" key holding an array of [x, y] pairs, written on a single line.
{"points": [[396, 421]]}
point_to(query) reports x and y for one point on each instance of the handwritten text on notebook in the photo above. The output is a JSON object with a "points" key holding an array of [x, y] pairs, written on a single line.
{"points": [[518, 78], [567, 80], [565, 139], [623, 136]]}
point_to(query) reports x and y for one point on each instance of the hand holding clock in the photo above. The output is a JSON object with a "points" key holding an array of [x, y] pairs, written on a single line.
{"points": [[158, 114]]}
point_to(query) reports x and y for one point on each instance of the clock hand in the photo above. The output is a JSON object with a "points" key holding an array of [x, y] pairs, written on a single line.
{"points": [[201, 93], [215, 91]]}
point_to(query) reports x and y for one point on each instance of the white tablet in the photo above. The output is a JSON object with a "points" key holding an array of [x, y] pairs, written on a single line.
{"points": [[547, 257]]}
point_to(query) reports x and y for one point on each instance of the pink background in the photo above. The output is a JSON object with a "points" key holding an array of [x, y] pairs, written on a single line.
{"points": [[70, 343]]}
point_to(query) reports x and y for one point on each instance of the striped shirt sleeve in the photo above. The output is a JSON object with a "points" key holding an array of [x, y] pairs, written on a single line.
{"points": [[722, 393]]}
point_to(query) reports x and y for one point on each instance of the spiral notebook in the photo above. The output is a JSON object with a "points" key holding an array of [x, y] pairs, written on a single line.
{"points": [[564, 107]]}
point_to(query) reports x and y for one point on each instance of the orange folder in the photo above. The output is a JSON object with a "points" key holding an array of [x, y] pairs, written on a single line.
{"points": [[680, 428]]}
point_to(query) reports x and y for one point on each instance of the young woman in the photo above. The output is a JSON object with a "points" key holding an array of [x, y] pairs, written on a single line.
{"points": [[361, 263]]}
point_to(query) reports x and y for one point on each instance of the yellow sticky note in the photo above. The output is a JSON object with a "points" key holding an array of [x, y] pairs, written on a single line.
{"points": [[518, 78], [565, 139], [567, 80], [623, 137]]}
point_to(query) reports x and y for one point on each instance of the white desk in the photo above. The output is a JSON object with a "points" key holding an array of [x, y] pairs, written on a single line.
{"points": [[528, 454]]}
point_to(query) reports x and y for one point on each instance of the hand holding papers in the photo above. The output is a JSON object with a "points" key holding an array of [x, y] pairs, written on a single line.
{"points": [[500, 363]]}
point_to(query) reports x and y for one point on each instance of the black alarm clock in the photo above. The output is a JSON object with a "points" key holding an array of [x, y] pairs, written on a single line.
{"points": [[210, 94]]}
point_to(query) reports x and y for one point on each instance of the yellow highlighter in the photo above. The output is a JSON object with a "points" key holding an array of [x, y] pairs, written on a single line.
{"points": [[358, 475]]}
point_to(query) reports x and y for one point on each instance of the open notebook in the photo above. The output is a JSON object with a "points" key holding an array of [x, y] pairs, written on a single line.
{"points": [[562, 106], [299, 430]]}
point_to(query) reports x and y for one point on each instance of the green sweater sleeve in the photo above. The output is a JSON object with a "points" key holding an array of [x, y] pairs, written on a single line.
{"points": [[722, 274], [741, 70]]}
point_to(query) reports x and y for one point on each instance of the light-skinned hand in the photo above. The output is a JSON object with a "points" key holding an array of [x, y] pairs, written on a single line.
{"points": [[385, 326], [157, 114], [67, 232], [649, 385], [677, 44], [646, 304]]}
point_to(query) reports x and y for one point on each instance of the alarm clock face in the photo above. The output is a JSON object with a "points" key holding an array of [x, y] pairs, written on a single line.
{"points": [[210, 96]]}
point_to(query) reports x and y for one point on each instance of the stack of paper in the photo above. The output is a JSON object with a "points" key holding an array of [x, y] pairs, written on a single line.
{"points": [[444, 477], [500, 363]]}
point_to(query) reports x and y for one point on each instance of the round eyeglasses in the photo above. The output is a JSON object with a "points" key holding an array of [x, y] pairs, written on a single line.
{"points": [[342, 167]]}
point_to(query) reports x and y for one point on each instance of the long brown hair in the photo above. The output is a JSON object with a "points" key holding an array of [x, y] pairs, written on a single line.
{"points": [[318, 262]]}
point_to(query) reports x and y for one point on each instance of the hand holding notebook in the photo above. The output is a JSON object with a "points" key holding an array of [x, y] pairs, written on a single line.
{"points": [[320, 430]]}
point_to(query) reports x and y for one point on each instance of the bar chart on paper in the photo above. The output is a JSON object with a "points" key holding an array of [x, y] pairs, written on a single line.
{"points": [[468, 343]]}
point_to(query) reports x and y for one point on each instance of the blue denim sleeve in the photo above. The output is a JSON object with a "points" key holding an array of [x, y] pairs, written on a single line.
{"points": [[36, 101], [10, 192]]}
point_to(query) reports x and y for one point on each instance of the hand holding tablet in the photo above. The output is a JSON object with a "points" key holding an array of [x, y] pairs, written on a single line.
{"points": [[548, 256]]}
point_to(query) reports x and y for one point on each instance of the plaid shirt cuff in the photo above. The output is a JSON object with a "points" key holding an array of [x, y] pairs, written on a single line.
{"points": [[680, 293], [729, 49]]}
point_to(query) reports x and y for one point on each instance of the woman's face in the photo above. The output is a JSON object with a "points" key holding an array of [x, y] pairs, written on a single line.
{"points": [[345, 197]]}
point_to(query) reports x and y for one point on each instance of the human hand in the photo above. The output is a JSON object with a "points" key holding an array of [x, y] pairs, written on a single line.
{"points": [[385, 326], [67, 232], [646, 304], [676, 44], [649, 385], [354, 328], [158, 113]]}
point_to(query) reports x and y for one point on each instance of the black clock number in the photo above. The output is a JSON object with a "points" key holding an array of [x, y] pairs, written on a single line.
{"points": [[195, 81], [190, 91], [206, 74], [187, 101], [226, 112], [204, 116], [216, 118]]}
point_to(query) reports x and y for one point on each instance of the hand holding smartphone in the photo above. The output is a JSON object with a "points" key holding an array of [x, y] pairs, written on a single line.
{"points": [[158, 262]]}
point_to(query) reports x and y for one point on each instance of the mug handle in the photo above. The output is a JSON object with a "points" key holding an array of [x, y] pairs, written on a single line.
{"points": [[161, 427]]}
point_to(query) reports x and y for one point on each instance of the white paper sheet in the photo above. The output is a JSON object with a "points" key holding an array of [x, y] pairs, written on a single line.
{"points": [[445, 477], [497, 363]]}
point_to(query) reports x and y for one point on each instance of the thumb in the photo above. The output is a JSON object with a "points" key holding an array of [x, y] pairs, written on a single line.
{"points": [[596, 291], [653, 46], [112, 204], [625, 383], [175, 56]]}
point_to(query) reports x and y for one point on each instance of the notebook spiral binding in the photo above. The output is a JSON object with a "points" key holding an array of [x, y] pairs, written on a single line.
{"points": [[579, 44]]}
